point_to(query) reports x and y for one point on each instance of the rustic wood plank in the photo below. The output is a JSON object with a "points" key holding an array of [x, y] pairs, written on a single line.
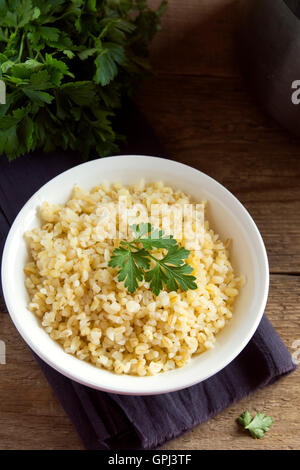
{"points": [[3, 308], [197, 38], [280, 400], [202, 112], [39, 433], [31, 417], [212, 124], [223, 432]]}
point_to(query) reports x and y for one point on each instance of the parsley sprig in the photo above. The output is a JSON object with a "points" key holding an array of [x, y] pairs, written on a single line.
{"points": [[136, 262], [67, 65], [257, 426]]}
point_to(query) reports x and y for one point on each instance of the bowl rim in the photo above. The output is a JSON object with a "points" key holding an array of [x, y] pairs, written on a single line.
{"points": [[9, 295]]}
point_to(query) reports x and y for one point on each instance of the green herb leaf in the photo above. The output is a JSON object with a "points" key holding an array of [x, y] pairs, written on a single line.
{"points": [[152, 238], [157, 278], [245, 418], [175, 255], [70, 64], [39, 96], [107, 63], [141, 229], [256, 426], [134, 263]]}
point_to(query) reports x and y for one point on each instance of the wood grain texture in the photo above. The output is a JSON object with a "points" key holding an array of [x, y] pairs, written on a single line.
{"points": [[196, 38], [214, 126], [204, 116], [32, 418]]}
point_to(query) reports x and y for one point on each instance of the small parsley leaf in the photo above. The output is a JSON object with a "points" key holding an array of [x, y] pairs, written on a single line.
{"points": [[141, 229], [175, 255], [256, 426], [179, 276], [152, 238], [245, 418], [132, 265], [157, 278]]}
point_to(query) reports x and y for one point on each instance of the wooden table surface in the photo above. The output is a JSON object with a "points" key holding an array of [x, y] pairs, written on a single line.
{"points": [[201, 110]]}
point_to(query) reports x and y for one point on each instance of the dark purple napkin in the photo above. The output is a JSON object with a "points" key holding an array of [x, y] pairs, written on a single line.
{"points": [[109, 421], [294, 5]]}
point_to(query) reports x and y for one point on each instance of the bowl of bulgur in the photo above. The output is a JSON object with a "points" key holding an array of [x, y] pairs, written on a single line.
{"points": [[74, 311]]}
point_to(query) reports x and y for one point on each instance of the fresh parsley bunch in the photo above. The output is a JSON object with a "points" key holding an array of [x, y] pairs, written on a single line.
{"points": [[136, 262], [66, 65]]}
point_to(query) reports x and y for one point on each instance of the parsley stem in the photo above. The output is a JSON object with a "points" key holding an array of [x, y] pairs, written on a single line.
{"points": [[38, 54], [129, 244], [29, 48], [160, 262], [21, 48]]}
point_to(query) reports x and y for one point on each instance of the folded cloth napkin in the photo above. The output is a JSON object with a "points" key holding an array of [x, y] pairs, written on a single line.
{"points": [[110, 421], [294, 5]]}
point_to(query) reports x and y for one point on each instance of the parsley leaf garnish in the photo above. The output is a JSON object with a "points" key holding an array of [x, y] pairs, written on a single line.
{"points": [[256, 426], [134, 261], [152, 237]]}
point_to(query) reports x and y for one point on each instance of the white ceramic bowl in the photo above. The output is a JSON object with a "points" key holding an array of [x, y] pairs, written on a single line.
{"points": [[226, 215]]}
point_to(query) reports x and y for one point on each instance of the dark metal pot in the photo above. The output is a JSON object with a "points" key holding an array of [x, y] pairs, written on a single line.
{"points": [[269, 50]]}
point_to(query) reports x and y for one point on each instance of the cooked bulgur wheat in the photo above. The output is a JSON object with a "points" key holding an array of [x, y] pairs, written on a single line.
{"points": [[82, 306]]}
